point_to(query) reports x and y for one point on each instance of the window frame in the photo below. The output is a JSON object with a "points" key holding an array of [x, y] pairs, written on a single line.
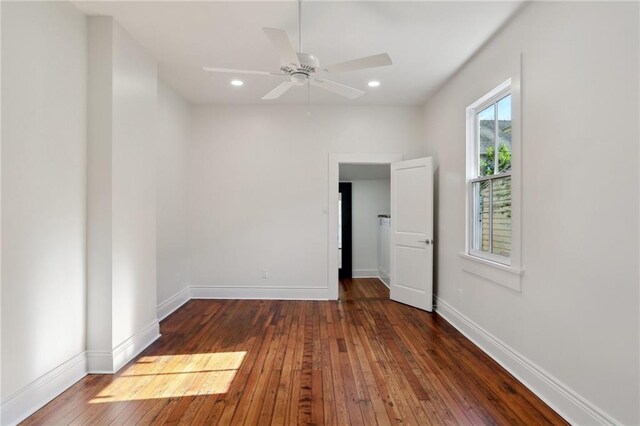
{"points": [[491, 99], [500, 269]]}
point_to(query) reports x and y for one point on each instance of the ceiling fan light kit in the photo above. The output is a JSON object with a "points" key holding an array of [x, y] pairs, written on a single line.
{"points": [[301, 69]]}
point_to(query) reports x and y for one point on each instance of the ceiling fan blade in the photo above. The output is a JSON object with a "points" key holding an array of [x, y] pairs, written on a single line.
{"points": [[278, 91], [282, 43], [374, 61], [338, 88], [232, 71]]}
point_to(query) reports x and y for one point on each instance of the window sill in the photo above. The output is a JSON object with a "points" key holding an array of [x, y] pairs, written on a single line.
{"points": [[506, 276]]}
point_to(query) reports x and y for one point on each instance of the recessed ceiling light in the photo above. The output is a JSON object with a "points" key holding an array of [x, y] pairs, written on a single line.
{"points": [[237, 83], [373, 83]]}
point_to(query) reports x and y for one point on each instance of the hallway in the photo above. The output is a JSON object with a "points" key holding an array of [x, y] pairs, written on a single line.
{"points": [[362, 288]]}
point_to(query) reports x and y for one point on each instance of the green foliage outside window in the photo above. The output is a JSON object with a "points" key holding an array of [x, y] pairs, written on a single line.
{"points": [[487, 160]]}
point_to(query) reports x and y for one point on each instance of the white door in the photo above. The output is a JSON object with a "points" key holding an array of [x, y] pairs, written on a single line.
{"points": [[412, 232]]}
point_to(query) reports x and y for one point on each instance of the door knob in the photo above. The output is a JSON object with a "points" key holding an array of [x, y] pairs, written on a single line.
{"points": [[427, 242]]}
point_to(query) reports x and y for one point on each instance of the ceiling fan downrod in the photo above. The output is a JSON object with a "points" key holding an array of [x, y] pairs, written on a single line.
{"points": [[299, 26]]}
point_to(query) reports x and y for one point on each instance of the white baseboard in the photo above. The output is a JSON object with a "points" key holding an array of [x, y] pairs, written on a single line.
{"points": [[371, 273], [167, 307], [26, 401], [564, 400], [99, 362], [130, 348], [255, 292], [109, 362], [364, 273], [385, 279]]}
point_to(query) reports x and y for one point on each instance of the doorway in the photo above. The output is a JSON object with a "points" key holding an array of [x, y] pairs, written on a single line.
{"points": [[411, 236], [364, 203], [335, 160]]}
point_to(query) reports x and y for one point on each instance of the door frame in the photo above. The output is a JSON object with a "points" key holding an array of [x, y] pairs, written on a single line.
{"points": [[346, 268], [335, 159]]}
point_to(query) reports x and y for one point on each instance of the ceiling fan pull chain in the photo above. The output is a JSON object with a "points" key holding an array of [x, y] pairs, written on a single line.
{"points": [[308, 99]]}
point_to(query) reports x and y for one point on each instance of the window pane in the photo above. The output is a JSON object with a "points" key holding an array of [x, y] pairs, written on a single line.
{"points": [[480, 224], [501, 231], [504, 134], [486, 140]]}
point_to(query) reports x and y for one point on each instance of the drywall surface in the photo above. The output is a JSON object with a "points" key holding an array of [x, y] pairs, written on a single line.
{"points": [[171, 192], [44, 102], [0, 216], [577, 314], [122, 193], [258, 187], [99, 184], [134, 191]]}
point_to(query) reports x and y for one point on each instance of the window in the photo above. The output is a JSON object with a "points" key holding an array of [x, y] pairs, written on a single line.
{"points": [[489, 171]]}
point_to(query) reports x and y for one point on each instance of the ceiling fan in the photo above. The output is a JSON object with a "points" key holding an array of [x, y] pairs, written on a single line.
{"points": [[304, 68]]}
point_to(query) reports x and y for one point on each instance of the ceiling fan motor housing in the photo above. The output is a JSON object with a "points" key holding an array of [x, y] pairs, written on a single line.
{"points": [[308, 64], [299, 78]]}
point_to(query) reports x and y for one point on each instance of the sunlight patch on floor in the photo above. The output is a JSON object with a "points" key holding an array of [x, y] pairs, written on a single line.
{"points": [[171, 376]]}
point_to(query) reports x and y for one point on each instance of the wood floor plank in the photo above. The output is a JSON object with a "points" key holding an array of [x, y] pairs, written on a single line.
{"points": [[361, 360], [362, 288]]}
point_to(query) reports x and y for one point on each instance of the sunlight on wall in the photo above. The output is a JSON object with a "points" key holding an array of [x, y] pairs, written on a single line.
{"points": [[171, 376]]}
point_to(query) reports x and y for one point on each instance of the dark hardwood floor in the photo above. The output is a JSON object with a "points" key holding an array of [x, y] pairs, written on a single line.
{"points": [[363, 362], [362, 288]]}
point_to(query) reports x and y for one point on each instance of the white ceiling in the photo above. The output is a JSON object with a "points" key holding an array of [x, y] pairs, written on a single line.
{"points": [[364, 171], [427, 41]]}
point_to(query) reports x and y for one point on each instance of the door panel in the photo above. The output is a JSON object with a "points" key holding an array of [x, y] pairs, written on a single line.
{"points": [[412, 233], [409, 181]]}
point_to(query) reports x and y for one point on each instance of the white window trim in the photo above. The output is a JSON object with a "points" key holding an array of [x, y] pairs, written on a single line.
{"points": [[486, 265], [489, 100]]}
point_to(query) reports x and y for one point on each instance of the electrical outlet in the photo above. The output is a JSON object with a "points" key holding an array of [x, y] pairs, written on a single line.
{"points": [[265, 273]]}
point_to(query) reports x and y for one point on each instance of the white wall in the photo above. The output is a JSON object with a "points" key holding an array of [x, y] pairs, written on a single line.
{"points": [[44, 77], [258, 189], [134, 192], [171, 171], [369, 198], [122, 196], [63, 84], [99, 184], [577, 314], [0, 216]]}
